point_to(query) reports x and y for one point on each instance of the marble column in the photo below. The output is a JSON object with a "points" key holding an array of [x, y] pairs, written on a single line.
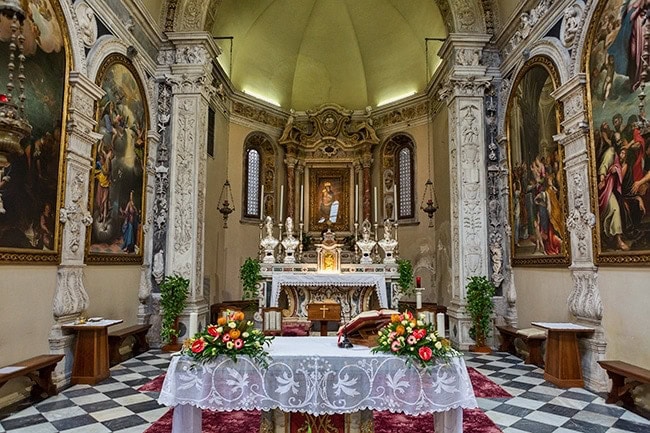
{"points": [[464, 91], [584, 301], [70, 296], [190, 77]]}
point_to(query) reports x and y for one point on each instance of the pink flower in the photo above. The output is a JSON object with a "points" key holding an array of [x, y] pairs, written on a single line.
{"points": [[212, 330], [392, 336], [198, 346], [226, 338], [425, 353], [411, 340], [239, 343], [395, 346]]}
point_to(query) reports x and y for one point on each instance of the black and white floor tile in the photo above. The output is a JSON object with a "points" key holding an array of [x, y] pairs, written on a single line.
{"points": [[115, 405]]}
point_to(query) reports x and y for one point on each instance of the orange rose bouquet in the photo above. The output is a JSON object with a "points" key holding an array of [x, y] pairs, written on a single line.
{"points": [[231, 336], [407, 336]]}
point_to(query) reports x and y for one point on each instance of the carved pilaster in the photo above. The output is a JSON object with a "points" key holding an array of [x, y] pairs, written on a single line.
{"points": [[366, 163], [584, 300], [190, 81], [70, 296], [290, 162]]}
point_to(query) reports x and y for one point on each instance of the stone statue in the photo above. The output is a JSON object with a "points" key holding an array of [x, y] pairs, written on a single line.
{"points": [[366, 244], [268, 243], [388, 244], [290, 243]]}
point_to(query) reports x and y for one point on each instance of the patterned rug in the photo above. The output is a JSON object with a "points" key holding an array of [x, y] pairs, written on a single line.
{"points": [[474, 420]]}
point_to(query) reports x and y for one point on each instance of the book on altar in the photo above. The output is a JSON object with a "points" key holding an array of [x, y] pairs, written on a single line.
{"points": [[363, 328]]}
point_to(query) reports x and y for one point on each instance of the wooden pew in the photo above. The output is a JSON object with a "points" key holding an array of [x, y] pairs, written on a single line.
{"points": [[116, 339], [618, 371], [533, 343], [39, 369]]}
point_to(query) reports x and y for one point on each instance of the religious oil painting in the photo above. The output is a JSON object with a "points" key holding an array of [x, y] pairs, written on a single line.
{"points": [[329, 199], [537, 182], [118, 174], [31, 167], [620, 151]]}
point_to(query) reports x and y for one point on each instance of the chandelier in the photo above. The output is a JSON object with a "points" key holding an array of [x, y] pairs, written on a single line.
{"points": [[14, 126]]}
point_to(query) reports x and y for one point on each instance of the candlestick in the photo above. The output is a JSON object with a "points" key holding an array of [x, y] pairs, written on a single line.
{"points": [[440, 324], [375, 215], [262, 204], [301, 202], [418, 298], [418, 282], [281, 200]]}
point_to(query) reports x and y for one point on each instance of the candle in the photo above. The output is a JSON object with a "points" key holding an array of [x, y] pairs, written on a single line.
{"points": [[418, 300], [418, 282], [262, 204], [440, 324], [375, 209], [301, 202], [356, 202], [281, 201], [395, 202]]}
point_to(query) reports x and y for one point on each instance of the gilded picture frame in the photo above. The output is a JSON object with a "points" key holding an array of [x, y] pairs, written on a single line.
{"points": [[329, 203], [619, 137], [118, 180], [32, 174], [537, 205]]}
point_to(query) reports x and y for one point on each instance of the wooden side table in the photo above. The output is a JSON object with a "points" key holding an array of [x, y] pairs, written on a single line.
{"points": [[563, 365], [91, 361]]}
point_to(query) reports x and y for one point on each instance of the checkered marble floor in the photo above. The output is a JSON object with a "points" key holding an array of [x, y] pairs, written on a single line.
{"points": [[115, 405]]}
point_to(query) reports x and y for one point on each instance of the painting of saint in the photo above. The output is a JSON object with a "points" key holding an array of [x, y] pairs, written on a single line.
{"points": [[330, 199], [537, 208], [620, 148], [30, 172], [119, 173]]}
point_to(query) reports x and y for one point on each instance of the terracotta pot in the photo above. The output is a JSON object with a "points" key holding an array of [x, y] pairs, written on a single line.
{"points": [[480, 349], [174, 345]]}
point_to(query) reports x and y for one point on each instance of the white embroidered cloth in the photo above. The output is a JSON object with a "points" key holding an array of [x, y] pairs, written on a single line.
{"points": [[313, 375], [315, 280]]}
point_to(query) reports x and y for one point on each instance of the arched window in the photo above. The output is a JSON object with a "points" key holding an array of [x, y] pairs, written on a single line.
{"points": [[398, 178], [259, 175]]}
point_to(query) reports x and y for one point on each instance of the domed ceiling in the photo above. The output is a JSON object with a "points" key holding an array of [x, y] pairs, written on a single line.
{"points": [[356, 53]]}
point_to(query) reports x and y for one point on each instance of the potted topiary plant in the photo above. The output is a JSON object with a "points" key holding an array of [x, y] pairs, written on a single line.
{"points": [[480, 291], [405, 280], [250, 275], [173, 296]]}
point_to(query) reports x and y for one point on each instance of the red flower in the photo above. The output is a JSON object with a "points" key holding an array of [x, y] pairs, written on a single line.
{"points": [[198, 346], [425, 353], [419, 333], [212, 330]]}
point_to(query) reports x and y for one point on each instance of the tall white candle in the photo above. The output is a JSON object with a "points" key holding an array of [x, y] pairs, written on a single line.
{"points": [[375, 209], [418, 297], [440, 324], [301, 202], [394, 202], [281, 202], [262, 204], [356, 203]]}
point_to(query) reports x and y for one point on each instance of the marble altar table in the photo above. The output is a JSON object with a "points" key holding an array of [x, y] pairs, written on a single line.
{"points": [[317, 378]]}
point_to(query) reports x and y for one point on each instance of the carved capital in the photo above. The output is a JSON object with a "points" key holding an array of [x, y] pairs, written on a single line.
{"points": [[464, 86]]}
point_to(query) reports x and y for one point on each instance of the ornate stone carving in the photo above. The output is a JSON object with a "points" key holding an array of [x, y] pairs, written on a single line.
{"points": [[257, 115], [580, 220], [184, 168], [572, 23], [464, 86], [166, 56], [527, 21], [468, 57], [399, 115], [87, 23], [191, 15], [584, 301], [70, 297], [190, 54], [169, 14], [74, 215], [158, 269]]}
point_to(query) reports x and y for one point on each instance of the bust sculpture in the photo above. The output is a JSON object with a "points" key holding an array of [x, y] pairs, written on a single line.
{"points": [[388, 244], [366, 244], [290, 243], [268, 242]]}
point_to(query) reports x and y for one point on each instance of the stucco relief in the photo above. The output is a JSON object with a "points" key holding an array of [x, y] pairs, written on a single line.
{"points": [[580, 220], [572, 23], [70, 297], [258, 115], [87, 23], [184, 167], [190, 54], [527, 21], [584, 301], [468, 57], [74, 215], [400, 115], [191, 15]]}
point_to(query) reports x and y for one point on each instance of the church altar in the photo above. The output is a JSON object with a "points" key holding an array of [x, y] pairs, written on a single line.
{"points": [[318, 378]]}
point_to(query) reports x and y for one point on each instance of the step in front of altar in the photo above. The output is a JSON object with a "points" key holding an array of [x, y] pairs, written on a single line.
{"points": [[277, 421]]}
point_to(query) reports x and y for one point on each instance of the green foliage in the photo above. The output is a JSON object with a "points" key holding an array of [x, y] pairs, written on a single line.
{"points": [[250, 275], [480, 291], [405, 281], [173, 295]]}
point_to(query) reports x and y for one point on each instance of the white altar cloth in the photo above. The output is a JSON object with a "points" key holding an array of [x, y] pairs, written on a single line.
{"points": [[315, 280], [313, 375]]}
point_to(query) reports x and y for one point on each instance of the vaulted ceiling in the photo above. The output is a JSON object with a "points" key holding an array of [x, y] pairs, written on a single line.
{"points": [[302, 53]]}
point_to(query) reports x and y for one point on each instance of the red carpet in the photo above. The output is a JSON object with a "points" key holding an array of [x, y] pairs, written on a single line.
{"points": [[474, 420]]}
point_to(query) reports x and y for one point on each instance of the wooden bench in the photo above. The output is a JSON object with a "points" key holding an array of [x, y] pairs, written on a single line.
{"points": [[39, 369], [618, 371], [116, 339], [533, 341]]}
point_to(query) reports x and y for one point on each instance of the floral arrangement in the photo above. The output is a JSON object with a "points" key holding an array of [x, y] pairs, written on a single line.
{"points": [[231, 336], [407, 336]]}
